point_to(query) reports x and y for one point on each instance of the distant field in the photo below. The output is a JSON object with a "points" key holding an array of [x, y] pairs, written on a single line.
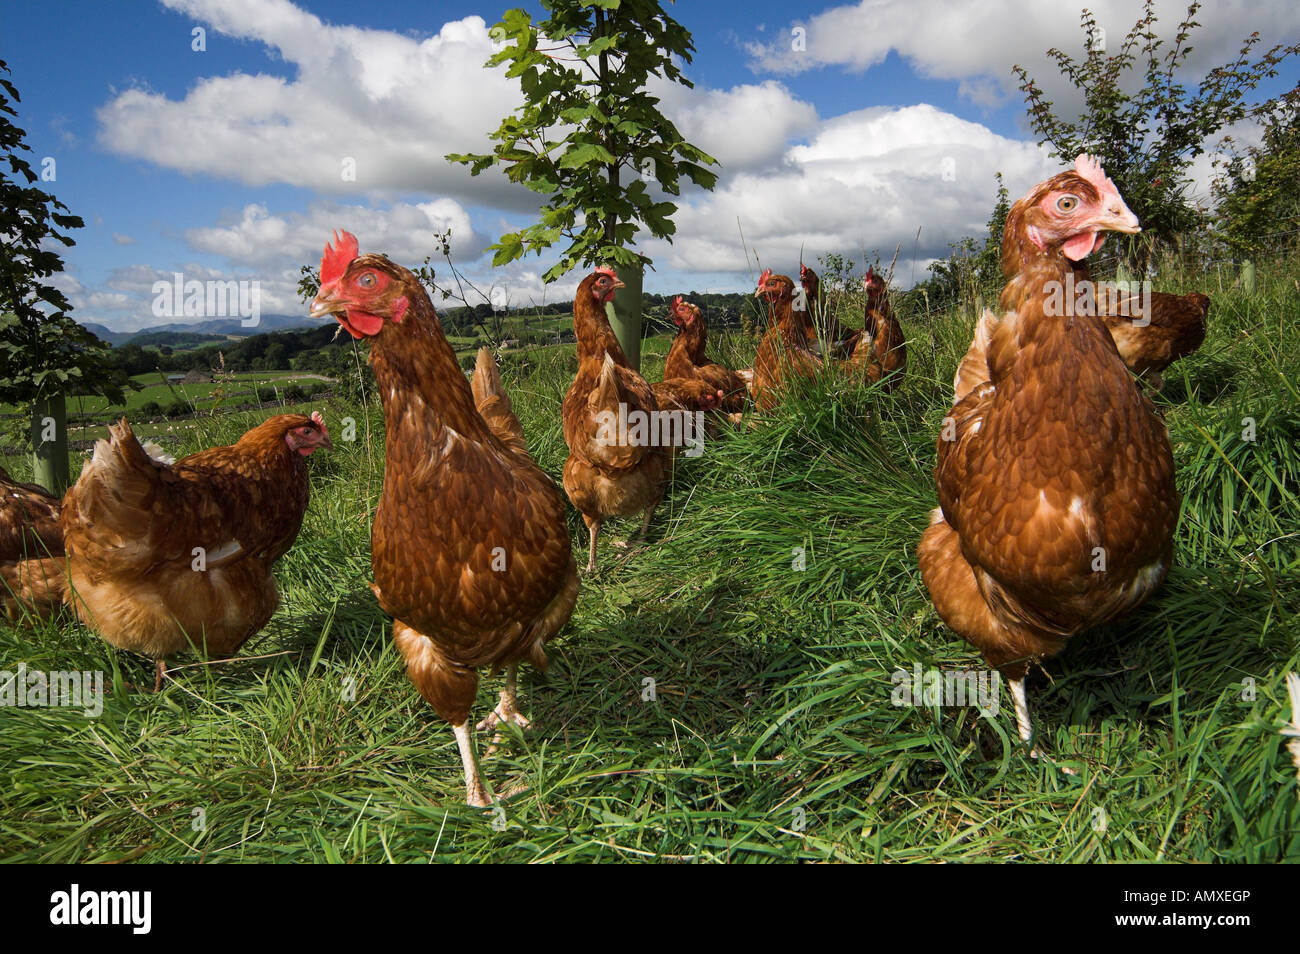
{"points": [[237, 389], [179, 437]]}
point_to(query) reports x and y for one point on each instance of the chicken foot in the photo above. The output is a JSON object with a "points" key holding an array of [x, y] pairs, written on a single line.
{"points": [[1024, 723], [645, 527], [475, 792], [507, 711]]}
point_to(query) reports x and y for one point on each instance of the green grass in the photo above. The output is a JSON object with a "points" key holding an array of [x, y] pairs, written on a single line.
{"points": [[772, 736]]}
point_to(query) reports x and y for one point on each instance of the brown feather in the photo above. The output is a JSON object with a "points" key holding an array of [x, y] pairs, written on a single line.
{"points": [[784, 352], [32, 575], [602, 477]]}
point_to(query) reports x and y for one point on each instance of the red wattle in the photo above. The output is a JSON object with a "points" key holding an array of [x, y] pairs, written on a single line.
{"points": [[1079, 247], [360, 323]]}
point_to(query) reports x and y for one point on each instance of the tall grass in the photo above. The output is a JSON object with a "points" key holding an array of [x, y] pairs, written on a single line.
{"points": [[776, 596]]}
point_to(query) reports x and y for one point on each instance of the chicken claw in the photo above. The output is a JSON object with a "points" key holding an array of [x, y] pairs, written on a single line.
{"points": [[506, 713]]}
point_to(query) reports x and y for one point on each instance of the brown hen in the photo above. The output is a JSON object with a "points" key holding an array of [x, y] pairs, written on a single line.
{"points": [[784, 352], [469, 547], [1055, 475], [32, 574], [879, 350], [825, 334], [687, 357], [612, 469], [165, 555]]}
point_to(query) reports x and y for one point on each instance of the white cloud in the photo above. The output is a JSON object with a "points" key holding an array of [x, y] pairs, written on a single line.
{"points": [[867, 180], [745, 127], [396, 103], [120, 239], [978, 43], [392, 103], [406, 232]]}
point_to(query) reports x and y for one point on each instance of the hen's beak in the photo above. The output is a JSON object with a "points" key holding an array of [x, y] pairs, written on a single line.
{"points": [[327, 302], [325, 441], [618, 284], [1117, 217]]}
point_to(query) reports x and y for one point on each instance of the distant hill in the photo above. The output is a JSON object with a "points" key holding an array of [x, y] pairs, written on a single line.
{"points": [[218, 328], [114, 338]]}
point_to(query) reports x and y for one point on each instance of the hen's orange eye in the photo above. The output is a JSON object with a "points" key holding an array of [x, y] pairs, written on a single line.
{"points": [[1067, 203], [367, 280]]}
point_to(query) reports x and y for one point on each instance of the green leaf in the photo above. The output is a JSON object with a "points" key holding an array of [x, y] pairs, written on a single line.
{"points": [[585, 155]]}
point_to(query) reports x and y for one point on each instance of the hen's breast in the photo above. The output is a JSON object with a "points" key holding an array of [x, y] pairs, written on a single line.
{"points": [[469, 545], [1068, 486]]}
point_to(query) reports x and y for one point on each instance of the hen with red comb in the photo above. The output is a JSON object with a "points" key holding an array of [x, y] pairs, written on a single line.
{"points": [[687, 360], [1055, 476], [609, 471], [470, 547]]}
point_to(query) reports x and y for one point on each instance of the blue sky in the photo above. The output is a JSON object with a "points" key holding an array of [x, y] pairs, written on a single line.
{"points": [[224, 163]]}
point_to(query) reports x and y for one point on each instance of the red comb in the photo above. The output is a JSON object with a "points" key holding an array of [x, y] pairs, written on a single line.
{"points": [[1089, 167], [803, 270], [605, 270], [682, 311], [320, 422], [762, 279], [338, 256]]}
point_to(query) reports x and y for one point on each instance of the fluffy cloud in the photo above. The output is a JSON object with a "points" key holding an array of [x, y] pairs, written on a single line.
{"points": [[396, 103], [976, 43], [406, 232], [389, 107], [867, 180], [745, 127], [391, 104]]}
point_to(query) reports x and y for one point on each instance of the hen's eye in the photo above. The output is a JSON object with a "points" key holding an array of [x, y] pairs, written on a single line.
{"points": [[367, 280], [1067, 203]]}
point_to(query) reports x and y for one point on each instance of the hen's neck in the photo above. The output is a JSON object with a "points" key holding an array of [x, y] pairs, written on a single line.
{"points": [[688, 346], [1033, 279], [595, 337], [783, 320], [412, 360]]}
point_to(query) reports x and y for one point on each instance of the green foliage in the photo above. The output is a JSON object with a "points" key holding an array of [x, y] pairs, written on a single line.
{"points": [[588, 118], [1259, 190], [1146, 140], [42, 350]]}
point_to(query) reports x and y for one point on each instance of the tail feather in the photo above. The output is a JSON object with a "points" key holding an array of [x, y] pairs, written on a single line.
{"points": [[494, 405], [609, 408], [113, 501]]}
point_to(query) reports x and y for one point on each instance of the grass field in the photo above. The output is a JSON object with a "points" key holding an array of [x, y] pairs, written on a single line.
{"points": [[771, 735]]}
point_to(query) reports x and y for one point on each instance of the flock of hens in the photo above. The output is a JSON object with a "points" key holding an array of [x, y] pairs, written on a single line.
{"points": [[1043, 530]]}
